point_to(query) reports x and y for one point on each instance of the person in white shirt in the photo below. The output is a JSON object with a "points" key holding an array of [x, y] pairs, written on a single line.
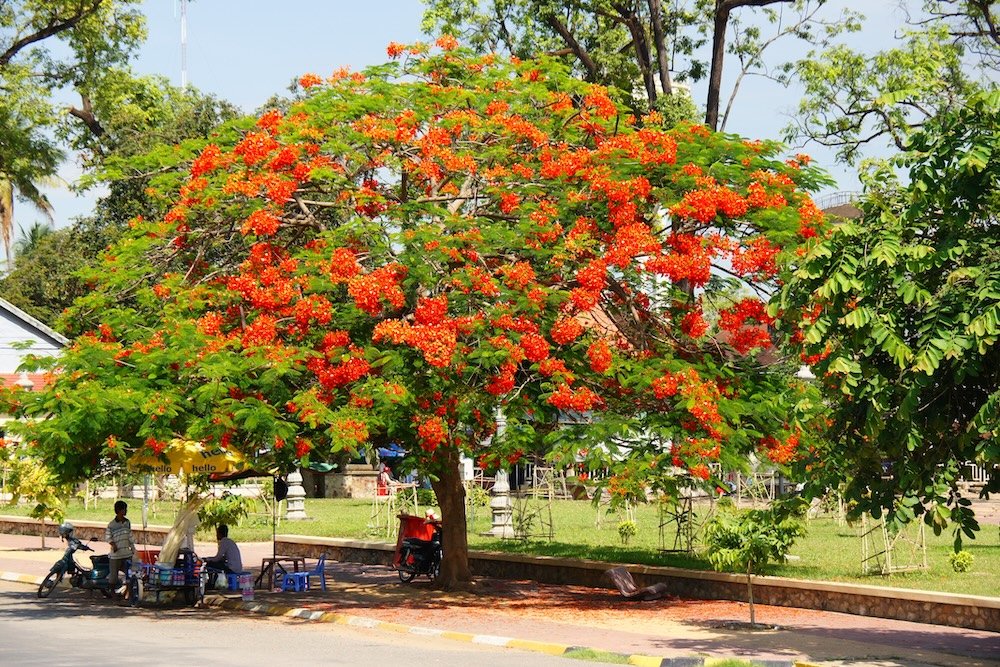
{"points": [[227, 559], [119, 535]]}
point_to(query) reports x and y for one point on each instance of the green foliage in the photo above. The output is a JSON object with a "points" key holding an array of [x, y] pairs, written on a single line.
{"points": [[427, 498], [886, 95], [230, 509], [901, 313], [475, 496], [961, 561], [626, 531], [747, 541]]}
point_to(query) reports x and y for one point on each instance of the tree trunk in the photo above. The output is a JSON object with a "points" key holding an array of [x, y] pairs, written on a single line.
{"points": [[753, 617], [718, 55], [454, 536]]}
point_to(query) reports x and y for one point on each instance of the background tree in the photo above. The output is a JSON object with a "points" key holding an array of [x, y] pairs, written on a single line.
{"points": [[855, 98], [145, 121], [641, 46], [47, 46], [898, 314], [408, 250]]}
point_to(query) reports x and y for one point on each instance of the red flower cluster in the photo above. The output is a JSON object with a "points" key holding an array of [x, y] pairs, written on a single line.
{"points": [[565, 330], [370, 289], [579, 400], [599, 355], [694, 325], [535, 347], [432, 432]]}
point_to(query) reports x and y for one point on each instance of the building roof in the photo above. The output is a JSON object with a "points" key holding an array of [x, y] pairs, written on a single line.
{"points": [[40, 327]]}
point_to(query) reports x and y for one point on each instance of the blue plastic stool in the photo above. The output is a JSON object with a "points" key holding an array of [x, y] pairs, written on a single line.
{"points": [[295, 581]]}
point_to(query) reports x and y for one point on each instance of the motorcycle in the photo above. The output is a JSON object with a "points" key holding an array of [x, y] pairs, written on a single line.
{"points": [[418, 556], [95, 578]]}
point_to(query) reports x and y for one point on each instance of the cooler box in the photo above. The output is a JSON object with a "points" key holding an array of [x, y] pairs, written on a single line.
{"points": [[101, 566]]}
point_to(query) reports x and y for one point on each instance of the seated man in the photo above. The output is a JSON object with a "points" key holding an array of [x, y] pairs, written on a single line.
{"points": [[226, 560]]}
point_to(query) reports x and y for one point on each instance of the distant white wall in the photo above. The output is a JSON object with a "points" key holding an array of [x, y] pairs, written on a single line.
{"points": [[14, 330]]}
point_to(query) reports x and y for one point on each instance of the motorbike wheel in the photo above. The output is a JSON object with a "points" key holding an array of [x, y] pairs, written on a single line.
{"points": [[48, 584]]}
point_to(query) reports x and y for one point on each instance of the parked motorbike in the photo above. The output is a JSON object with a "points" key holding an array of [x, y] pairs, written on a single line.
{"points": [[418, 556], [95, 578]]}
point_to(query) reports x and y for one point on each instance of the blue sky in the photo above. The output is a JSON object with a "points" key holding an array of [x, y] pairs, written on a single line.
{"points": [[245, 51]]}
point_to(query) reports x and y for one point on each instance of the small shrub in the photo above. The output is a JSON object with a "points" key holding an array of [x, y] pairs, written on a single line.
{"points": [[477, 496], [626, 531], [427, 498], [229, 509], [961, 561]]}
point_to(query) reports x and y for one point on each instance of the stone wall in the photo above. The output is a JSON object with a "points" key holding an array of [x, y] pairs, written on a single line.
{"points": [[84, 530], [357, 481], [965, 611]]}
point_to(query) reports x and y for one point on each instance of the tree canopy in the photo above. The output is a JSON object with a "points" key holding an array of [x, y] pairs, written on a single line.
{"points": [[899, 315], [48, 46], [407, 250], [644, 47]]}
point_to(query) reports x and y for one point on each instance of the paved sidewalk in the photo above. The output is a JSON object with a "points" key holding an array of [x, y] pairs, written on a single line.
{"points": [[557, 619]]}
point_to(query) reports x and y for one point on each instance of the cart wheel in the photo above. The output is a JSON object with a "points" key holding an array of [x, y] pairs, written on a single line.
{"points": [[48, 584], [135, 591], [406, 576], [190, 597]]}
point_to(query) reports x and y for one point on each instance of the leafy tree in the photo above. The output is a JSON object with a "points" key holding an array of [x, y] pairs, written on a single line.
{"points": [[855, 98], [899, 313], [42, 282], [747, 541], [406, 251], [640, 46], [30, 239], [145, 120], [47, 46]]}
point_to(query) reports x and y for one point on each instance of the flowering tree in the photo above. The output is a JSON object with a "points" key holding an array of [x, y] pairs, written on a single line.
{"points": [[406, 251]]}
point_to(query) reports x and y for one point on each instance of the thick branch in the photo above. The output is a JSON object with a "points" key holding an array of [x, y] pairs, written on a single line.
{"points": [[54, 27], [575, 47], [86, 114], [660, 42]]}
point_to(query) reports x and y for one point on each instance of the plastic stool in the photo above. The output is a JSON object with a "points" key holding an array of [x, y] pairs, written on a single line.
{"points": [[295, 581]]}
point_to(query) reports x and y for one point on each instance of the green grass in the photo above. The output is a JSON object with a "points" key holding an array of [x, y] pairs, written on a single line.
{"points": [[827, 551], [591, 655]]}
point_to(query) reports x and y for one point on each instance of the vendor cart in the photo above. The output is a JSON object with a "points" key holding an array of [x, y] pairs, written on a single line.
{"points": [[186, 579]]}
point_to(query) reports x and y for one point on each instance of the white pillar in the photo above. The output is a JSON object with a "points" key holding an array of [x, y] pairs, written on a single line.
{"points": [[500, 505], [295, 507]]}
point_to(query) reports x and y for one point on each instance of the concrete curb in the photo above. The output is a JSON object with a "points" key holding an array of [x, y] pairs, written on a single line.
{"points": [[489, 640]]}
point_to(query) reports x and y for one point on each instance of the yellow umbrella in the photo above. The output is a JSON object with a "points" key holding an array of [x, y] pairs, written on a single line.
{"points": [[189, 457]]}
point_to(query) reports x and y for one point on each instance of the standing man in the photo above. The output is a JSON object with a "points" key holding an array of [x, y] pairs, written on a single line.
{"points": [[119, 535], [227, 559]]}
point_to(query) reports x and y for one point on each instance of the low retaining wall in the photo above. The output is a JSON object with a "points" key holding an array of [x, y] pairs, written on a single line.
{"points": [[84, 530], [964, 611]]}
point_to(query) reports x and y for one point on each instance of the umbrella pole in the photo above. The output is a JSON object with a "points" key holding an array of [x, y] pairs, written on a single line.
{"points": [[145, 509]]}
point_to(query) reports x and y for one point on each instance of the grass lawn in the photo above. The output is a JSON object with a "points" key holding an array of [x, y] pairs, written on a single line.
{"points": [[827, 552]]}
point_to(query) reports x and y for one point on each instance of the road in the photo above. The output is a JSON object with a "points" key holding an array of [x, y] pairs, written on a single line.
{"points": [[75, 628]]}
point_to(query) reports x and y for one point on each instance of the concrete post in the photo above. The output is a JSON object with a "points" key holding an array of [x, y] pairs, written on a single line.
{"points": [[295, 508], [500, 505]]}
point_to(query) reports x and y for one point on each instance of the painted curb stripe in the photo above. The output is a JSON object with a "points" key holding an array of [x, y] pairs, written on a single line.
{"points": [[645, 661], [538, 647]]}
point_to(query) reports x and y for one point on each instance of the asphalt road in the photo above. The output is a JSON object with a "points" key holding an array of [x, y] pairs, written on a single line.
{"points": [[76, 628]]}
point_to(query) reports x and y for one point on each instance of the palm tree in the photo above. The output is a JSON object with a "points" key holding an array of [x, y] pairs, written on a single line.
{"points": [[29, 240], [30, 193]]}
